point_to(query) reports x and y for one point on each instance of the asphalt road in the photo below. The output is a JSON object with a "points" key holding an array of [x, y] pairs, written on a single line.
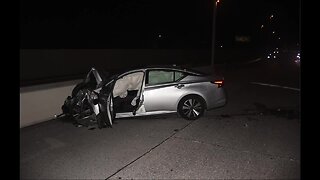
{"points": [[255, 136]]}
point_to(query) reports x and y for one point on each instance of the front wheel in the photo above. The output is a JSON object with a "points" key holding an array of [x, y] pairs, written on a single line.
{"points": [[191, 107]]}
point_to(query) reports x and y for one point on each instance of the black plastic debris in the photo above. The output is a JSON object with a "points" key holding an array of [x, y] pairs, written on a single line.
{"points": [[286, 112], [77, 125], [91, 128]]}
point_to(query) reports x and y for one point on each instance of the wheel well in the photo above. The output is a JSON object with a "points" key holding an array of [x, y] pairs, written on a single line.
{"points": [[197, 95]]}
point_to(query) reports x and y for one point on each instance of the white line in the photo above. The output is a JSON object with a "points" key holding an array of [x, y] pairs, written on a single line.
{"points": [[272, 85], [255, 60]]}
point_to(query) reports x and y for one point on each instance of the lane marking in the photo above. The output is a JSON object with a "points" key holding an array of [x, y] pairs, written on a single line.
{"points": [[253, 61], [272, 85], [144, 154]]}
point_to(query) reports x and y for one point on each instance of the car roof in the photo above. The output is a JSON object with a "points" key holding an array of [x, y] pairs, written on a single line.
{"points": [[168, 67], [123, 71]]}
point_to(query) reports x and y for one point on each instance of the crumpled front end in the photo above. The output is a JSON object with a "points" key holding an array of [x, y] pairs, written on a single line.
{"points": [[87, 105]]}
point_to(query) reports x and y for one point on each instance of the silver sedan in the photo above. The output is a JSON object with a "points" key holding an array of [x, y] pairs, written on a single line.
{"points": [[146, 91]]}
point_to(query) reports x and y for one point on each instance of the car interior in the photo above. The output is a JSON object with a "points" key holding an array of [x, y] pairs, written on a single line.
{"points": [[126, 92]]}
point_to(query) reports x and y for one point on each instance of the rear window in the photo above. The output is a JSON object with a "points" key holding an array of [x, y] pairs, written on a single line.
{"points": [[178, 75]]}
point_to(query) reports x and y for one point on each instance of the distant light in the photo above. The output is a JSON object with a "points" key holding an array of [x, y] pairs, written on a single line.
{"points": [[274, 57], [242, 39], [268, 57], [297, 60], [271, 16], [262, 26], [279, 38], [273, 32], [221, 46], [274, 51], [159, 35], [277, 48], [217, 2]]}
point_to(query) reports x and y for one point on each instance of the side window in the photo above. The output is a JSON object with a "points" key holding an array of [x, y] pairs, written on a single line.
{"points": [[178, 75], [160, 77]]}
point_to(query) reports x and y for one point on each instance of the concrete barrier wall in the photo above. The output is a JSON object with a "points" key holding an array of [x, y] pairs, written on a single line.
{"points": [[40, 103]]}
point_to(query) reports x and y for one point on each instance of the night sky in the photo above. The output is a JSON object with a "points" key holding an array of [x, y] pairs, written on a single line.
{"points": [[167, 24]]}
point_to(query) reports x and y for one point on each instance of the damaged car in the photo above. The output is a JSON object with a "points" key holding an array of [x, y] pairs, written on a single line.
{"points": [[146, 91]]}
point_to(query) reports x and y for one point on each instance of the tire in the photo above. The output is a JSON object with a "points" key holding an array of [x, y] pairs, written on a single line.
{"points": [[191, 107]]}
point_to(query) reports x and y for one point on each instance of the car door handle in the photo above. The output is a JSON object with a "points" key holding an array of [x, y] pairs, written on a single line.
{"points": [[179, 86]]}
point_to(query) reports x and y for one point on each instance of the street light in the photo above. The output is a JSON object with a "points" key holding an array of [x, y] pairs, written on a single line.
{"points": [[213, 31]]}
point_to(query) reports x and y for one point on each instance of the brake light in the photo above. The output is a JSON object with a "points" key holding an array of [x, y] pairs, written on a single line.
{"points": [[218, 82]]}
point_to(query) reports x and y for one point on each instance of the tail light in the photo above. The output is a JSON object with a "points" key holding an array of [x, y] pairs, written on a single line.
{"points": [[220, 83]]}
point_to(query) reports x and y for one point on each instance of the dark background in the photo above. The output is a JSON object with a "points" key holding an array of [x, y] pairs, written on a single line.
{"points": [[147, 32], [116, 24]]}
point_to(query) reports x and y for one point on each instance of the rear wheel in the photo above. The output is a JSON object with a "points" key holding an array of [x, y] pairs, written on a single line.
{"points": [[191, 107]]}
